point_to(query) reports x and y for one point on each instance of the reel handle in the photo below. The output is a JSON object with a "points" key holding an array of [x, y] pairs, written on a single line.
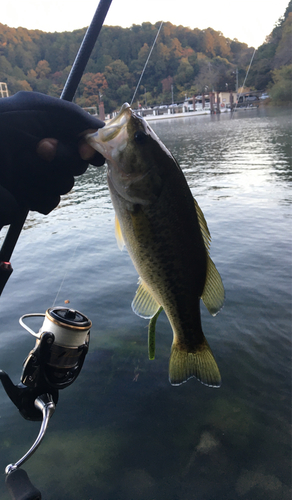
{"points": [[20, 487], [47, 406]]}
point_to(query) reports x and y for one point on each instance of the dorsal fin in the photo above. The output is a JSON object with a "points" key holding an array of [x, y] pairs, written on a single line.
{"points": [[213, 294], [144, 304], [118, 233], [203, 226]]}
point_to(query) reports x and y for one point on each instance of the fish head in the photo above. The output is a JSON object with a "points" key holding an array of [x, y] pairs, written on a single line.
{"points": [[135, 156]]}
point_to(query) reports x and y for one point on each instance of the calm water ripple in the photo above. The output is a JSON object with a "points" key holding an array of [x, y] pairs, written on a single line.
{"points": [[121, 432]]}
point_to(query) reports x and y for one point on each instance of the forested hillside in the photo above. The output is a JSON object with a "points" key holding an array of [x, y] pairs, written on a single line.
{"points": [[272, 65], [184, 61]]}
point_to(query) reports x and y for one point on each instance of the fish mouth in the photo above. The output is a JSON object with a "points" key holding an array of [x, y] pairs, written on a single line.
{"points": [[118, 119], [111, 130], [117, 123]]}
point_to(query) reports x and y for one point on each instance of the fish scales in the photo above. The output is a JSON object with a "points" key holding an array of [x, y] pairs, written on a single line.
{"points": [[164, 232]]}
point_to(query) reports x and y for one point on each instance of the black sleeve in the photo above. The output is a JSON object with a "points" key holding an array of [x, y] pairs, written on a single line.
{"points": [[25, 119]]}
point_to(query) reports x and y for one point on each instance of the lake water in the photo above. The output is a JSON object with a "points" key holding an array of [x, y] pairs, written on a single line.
{"points": [[121, 431]]}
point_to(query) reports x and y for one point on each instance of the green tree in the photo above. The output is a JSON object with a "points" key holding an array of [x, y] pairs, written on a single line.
{"points": [[281, 89], [18, 73], [185, 73], [5, 68], [124, 93], [283, 53], [117, 75]]}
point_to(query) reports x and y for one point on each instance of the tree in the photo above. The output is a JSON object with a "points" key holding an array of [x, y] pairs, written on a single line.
{"points": [[283, 53], [124, 93], [42, 69], [167, 84], [185, 72], [5, 68], [94, 84], [281, 89], [23, 85], [117, 74]]}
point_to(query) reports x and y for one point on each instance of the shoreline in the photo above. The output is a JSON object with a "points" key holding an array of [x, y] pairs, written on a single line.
{"points": [[169, 116]]}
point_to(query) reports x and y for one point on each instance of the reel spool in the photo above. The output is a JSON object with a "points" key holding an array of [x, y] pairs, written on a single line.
{"points": [[62, 344]]}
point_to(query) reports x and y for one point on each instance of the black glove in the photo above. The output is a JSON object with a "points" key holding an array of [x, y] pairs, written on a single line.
{"points": [[26, 178]]}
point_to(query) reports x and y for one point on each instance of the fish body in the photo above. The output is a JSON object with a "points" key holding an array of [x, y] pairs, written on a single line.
{"points": [[167, 238]]}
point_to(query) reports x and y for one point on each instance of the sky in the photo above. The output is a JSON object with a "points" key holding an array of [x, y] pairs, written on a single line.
{"points": [[249, 21]]}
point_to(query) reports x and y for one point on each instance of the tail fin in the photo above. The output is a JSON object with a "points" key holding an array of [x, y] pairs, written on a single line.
{"points": [[200, 364]]}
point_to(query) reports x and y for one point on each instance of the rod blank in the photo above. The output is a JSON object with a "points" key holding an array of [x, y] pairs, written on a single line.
{"points": [[85, 50]]}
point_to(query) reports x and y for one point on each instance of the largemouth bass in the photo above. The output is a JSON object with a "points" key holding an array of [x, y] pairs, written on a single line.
{"points": [[167, 237]]}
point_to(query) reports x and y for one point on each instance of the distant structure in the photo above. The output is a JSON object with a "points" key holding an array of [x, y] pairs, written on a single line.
{"points": [[3, 90], [92, 110], [218, 102]]}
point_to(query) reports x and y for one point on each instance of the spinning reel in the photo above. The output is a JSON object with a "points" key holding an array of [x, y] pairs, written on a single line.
{"points": [[53, 364]]}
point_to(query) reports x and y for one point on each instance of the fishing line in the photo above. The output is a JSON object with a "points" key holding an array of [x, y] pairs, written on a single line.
{"points": [[65, 274], [146, 63], [249, 67], [244, 80]]}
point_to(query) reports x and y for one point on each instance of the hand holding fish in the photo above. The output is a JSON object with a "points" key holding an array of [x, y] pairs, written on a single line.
{"points": [[41, 150], [168, 240]]}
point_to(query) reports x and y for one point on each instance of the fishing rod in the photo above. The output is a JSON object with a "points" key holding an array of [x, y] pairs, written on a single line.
{"points": [[68, 93], [62, 342]]}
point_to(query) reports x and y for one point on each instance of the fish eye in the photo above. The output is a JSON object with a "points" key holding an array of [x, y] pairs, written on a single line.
{"points": [[140, 137]]}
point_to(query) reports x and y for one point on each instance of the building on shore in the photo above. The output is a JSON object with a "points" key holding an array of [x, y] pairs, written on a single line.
{"points": [[214, 101]]}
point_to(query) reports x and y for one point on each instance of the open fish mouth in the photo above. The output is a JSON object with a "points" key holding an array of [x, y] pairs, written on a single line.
{"points": [[110, 131]]}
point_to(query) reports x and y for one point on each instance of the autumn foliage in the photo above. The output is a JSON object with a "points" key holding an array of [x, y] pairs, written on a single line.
{"points": [[184, 61]]}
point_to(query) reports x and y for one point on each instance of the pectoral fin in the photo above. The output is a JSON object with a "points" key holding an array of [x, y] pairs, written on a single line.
{"points": [[144, 304], [213, 294], [119, 236]]}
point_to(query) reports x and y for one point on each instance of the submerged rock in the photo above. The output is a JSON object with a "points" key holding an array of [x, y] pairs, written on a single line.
{"points": [[207, 446], [207, 443], [138, 484], [263, 485]]}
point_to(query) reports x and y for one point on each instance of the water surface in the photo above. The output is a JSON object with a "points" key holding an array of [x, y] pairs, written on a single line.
{"points": [[121, 431]]}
